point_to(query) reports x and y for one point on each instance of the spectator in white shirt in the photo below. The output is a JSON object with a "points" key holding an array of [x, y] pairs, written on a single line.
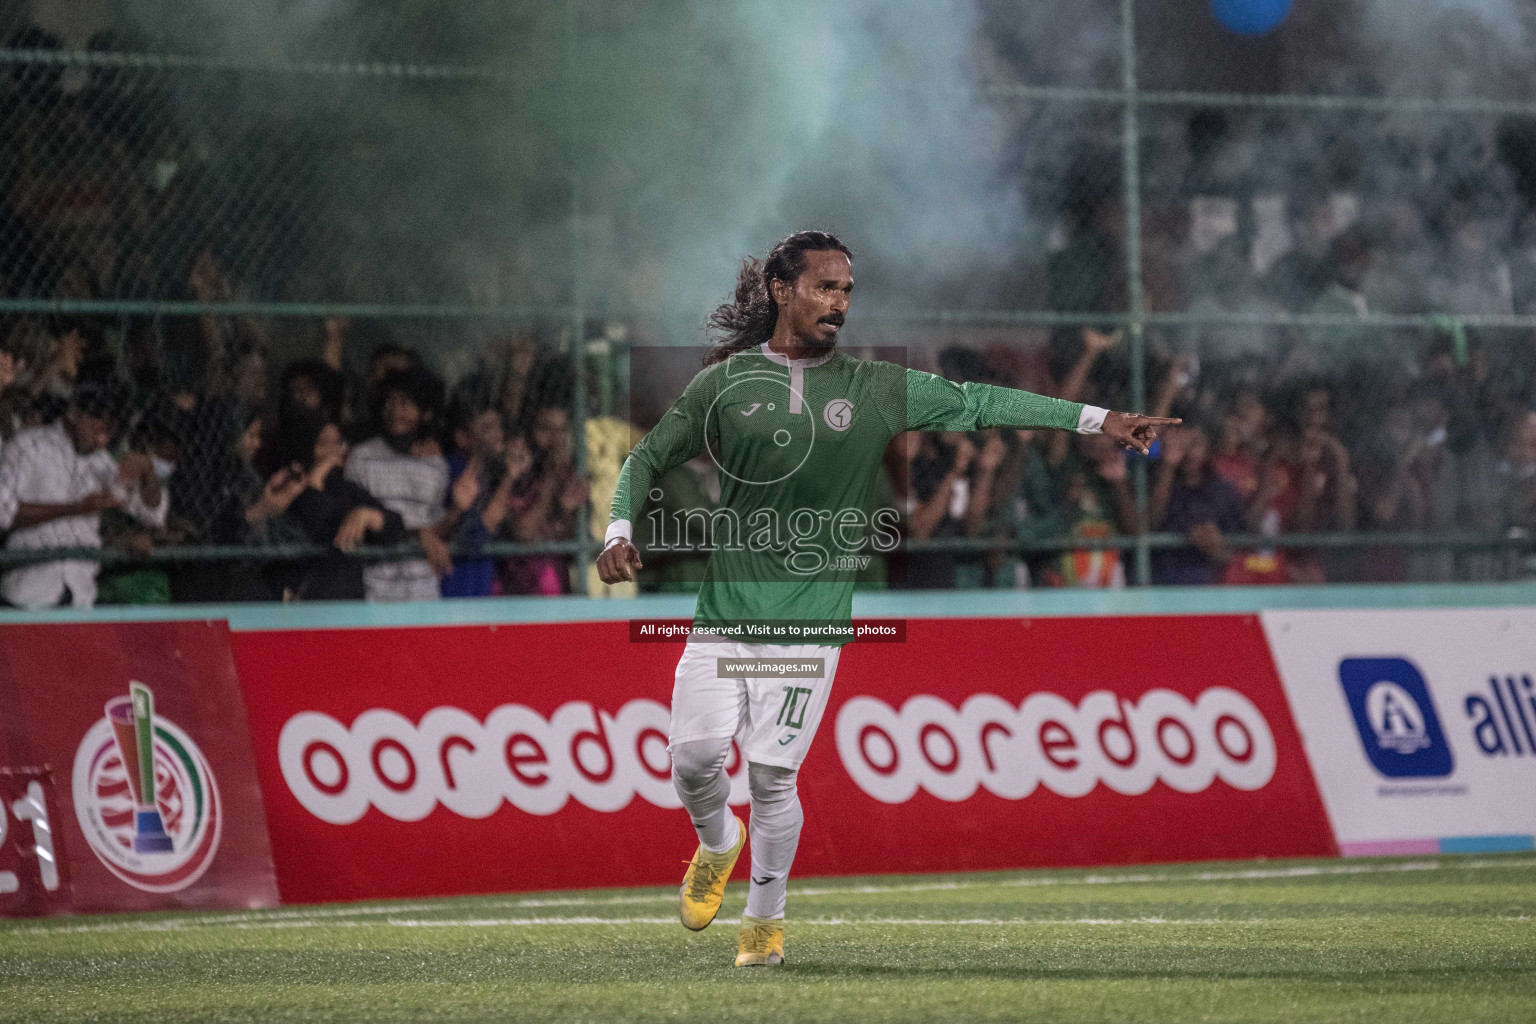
{"points": [[54, 483], [404, 469]]}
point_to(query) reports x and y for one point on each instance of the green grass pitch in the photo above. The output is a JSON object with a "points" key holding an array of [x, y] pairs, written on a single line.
{"points": [[1381, 941]]}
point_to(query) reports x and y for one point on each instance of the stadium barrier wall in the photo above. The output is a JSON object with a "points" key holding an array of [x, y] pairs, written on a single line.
{"points": [[1421, 725], [444, 760], [461, 747], [126, 771]]}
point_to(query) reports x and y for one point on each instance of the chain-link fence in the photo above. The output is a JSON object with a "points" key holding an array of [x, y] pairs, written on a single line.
{"points": [[242, 225]]}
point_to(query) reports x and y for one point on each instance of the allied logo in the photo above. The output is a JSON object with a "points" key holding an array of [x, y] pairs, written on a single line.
{"points": [[1396, 719], [145, 796], [1503, 715], [838, 414]]}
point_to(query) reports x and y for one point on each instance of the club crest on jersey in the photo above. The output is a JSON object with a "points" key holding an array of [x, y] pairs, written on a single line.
{"points": [[838, 414]]}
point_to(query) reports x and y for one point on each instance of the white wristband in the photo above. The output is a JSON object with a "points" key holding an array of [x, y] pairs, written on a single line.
{"points": [[1091, 420], [619, 529]]}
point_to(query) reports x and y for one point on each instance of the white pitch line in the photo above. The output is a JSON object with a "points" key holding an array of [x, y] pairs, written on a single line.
{"points": [[584, 901], [335, 914], [991, 922], [824, 922], [540, 922], [832, 922], [532, 922], [1147, 879]]}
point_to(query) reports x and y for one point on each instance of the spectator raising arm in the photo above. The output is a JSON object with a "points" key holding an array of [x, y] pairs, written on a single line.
{"points": [[926, 515], [136, 472], [281, 489], [993, 450], [1095, 344], [1175, 447], [499, 505]]}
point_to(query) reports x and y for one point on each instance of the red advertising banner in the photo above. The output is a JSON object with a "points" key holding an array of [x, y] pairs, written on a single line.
{"points": [[442, 760], [34, 875], [126, 771]]}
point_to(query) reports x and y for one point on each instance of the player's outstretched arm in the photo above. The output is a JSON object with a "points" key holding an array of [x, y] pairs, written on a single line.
{"points": [[1135, 431], [933, 403]]}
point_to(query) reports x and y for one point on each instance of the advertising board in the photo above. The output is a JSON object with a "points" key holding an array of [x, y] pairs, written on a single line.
{"points": [[1421, 724], [437, 760], [126, 772]]}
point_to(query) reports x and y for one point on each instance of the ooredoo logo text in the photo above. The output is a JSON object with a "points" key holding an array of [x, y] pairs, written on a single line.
{"points": [[516, 755], [1048, 741], [603, 760]]}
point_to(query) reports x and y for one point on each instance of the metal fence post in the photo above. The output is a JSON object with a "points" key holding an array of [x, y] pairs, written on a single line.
{"points": [[1131, 190], [584, 553]]}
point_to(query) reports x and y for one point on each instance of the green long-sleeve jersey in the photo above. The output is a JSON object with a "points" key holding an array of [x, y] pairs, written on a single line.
{"points": [[798, 444]]}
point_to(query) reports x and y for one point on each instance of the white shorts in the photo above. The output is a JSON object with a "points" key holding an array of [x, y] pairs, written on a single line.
{"points": [[773, 718]]}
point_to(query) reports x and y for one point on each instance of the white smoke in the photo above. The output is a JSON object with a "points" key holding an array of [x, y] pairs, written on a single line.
{"points": [[745, 121], [700, 131], [703, 130], [1451, 48]]}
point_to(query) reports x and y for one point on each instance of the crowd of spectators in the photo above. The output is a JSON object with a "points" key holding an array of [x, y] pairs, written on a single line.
{"points": [[151, 433], [91, 457], [394, 457], [1341, 420], [1448, 452]]}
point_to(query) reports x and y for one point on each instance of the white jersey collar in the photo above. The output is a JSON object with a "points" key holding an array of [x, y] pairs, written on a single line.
{"points": [[786, 361]]}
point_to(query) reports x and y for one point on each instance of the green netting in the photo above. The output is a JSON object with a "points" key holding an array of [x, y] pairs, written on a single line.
{"points": [[195, 196]]}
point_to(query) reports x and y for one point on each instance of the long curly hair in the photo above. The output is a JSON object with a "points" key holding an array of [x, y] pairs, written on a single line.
{"points": [[749, 321]]}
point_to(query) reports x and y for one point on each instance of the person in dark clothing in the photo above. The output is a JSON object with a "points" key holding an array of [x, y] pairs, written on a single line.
{"points": [[310, 384], [330, 510], [940, 496], [482, 468], [221, 498], [1189, 497]]}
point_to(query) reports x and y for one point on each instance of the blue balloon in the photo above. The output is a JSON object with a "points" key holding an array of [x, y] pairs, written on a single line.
{"points": [[1251, 17]]}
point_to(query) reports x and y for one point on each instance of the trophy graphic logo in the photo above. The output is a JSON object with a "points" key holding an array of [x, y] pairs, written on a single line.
{"points": [[145, 796], [133, 720]]}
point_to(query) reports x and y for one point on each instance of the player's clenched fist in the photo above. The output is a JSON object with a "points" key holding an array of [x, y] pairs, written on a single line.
{"points": [[614, 565]]}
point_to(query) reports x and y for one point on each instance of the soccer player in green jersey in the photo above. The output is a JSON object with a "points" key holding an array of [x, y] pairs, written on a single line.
{"points": [[797, 429]]}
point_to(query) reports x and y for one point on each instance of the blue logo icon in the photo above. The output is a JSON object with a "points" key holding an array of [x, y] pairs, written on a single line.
{"points": [[1398, 725]]}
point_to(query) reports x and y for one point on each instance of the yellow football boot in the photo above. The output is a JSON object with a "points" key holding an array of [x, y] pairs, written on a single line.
{"points": [[704, 884], [761, 942]]}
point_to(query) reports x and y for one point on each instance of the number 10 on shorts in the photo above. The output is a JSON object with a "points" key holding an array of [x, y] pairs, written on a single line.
{"points": [[792, 712]]}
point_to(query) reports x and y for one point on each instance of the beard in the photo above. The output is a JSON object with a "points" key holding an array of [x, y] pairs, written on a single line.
{"points": [[815, 341]]}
